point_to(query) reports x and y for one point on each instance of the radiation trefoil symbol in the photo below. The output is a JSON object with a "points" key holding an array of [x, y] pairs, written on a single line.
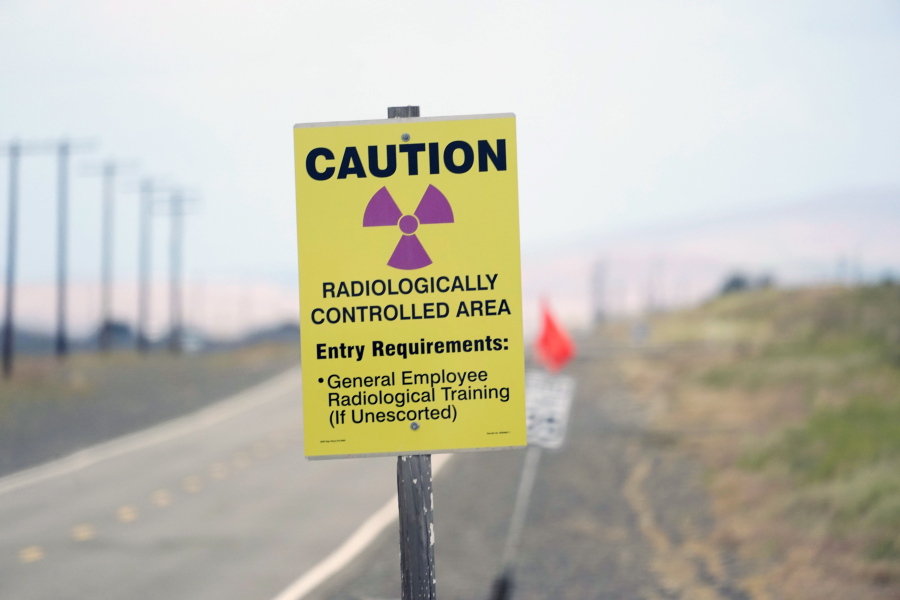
{"points": [[382, 211]]}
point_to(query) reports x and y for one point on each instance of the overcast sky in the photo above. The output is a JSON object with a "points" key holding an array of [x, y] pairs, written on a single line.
{"points": [[629, 113]]}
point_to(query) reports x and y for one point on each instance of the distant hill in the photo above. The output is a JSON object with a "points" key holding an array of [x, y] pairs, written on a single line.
{"points": [[286, 332], [225, 310], [848, 236]]}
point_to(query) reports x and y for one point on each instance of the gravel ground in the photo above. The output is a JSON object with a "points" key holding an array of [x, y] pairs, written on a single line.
{"points": [[618, 513], [50, 409]]}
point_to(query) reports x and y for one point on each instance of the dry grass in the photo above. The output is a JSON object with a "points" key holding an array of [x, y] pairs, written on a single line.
{"points": [[792, 399]]}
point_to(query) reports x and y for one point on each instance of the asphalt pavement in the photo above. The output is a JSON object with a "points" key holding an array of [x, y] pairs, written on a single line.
{"points": [[222, 505], [216, 505]]}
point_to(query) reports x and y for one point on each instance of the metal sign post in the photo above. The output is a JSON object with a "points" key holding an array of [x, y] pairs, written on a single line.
{"points": [[415, 500], [416, 506]]}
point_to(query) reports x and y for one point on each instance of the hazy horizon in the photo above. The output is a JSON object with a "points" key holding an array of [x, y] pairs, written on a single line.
{"points": [[628, 114]]}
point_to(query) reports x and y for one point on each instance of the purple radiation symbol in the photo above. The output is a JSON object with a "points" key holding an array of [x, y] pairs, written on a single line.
{"points": [[383, 211]]}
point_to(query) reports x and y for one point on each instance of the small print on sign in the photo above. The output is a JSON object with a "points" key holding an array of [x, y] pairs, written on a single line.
{"points": [[410, 286], [548, 404]]}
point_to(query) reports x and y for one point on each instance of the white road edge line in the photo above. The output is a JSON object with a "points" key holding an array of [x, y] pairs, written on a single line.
{"points": [[220, 411], [355, 544]]}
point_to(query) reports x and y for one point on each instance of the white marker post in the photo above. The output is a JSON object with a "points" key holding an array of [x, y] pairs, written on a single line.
{"points": [[548, 402]]}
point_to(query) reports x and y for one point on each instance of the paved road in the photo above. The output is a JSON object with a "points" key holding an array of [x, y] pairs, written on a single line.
{"points": [[217, 505], [222, 505]]}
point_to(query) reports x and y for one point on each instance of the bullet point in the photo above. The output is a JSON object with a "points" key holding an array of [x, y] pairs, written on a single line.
{"points": [[321, 380]]}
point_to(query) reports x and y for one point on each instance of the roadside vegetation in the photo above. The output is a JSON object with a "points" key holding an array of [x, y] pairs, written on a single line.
{"points": [[792, 400]]}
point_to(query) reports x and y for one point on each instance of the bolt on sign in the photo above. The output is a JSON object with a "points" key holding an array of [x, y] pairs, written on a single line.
{"points": [[410, 286]]}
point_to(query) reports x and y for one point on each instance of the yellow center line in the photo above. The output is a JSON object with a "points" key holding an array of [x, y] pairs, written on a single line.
{"points": [[161, 498], [83, 532], [192, 484], [218, 470], [127, 513], [262, 450], [31, 554]]}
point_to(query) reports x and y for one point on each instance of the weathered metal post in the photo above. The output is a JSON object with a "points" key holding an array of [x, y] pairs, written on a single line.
{"points": [[502, 588], [416, 502], [417, 576]]}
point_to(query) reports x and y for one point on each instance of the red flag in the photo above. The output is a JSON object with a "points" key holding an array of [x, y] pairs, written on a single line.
{"points": [[554, 347]]}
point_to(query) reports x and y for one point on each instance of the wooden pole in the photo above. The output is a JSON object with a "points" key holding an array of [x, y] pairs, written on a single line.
{"points": [[109, 187], [11, 241], [176, 331], [144, 240], [64, 151], [62, 243], [416, 502]]}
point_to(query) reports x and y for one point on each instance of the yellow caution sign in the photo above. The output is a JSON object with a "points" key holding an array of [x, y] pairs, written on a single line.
{"points": [[410, 286]]}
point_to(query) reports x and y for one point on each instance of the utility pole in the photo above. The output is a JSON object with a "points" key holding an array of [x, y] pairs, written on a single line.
{"points": [[64, 150], [62, 218], [655, 298], [109, 191], [14, 152], [598, 292], [175, 262], [109, 170], [144, 241]]}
